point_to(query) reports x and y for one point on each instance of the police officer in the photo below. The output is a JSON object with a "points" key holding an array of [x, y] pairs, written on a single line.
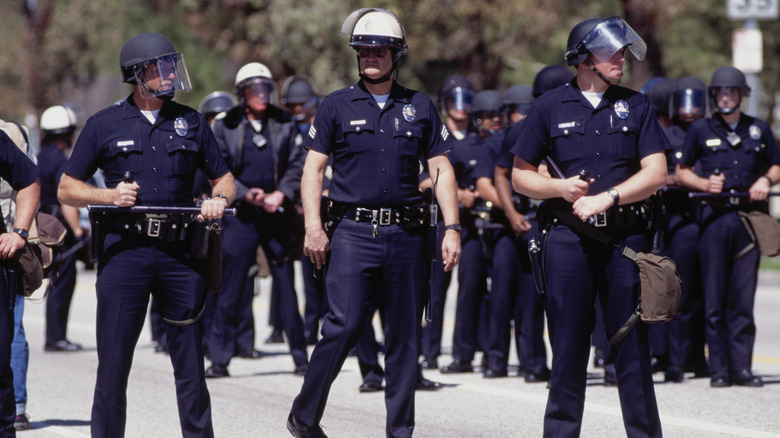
{"points": [[258, 141], [683, 336], [517, 101], [735, 153], [58, 124], [611, 132], [377, 132], [456, 97], [159, 143], [22, 175], [476, 239], [300, 98]]}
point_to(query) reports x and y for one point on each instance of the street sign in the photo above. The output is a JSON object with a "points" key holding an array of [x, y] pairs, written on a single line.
{"points": [[747, 52], [752, 9]]}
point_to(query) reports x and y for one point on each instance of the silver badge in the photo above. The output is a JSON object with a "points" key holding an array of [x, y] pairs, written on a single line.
{"points": [[621, 109], [180, 125], [755, 132], [259, 140], [409, 113]]}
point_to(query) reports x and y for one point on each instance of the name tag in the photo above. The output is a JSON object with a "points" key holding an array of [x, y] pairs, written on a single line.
{"points": [[713, 142], [357, 122], [567, 125], [125, 143]]}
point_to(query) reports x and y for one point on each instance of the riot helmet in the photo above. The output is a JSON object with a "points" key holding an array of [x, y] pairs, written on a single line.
{"points": [[216, 103], [518, 99], [689, 99], [150, 61], [487, 111], [375, 28], [726, 80], [299, 90], [256, 80], [58, 120], [459, 90], [602, 38], [659, 91], [552, 76]]}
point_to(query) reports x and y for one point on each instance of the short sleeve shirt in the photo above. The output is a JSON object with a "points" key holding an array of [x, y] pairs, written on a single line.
{"points": [[161, 157], [15, 167], [608, 141], [377, 151]]}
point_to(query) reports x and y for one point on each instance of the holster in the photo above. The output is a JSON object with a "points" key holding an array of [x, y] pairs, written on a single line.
{"points": [[206, 244]]}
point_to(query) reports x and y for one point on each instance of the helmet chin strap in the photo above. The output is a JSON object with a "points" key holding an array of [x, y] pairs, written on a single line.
{"points": [[600, 75], [381, 80]]}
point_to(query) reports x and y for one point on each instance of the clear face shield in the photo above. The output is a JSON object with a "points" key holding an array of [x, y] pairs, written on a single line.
{"points": [[689, 102], [462, 99], [611, 36], [258, 90], [163, 76]]}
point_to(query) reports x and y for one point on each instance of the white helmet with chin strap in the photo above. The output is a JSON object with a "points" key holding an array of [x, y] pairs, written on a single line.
{"points": [[252, 74], [376, 27]]}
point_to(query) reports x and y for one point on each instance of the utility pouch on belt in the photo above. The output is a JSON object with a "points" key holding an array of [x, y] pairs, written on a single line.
{"points": [[763, 230], [660, 285]]}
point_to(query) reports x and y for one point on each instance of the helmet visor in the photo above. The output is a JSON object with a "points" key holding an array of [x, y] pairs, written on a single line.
{"points": [[462, 99], [690, 101], [259, 89], [611, 36], [163, 76]]}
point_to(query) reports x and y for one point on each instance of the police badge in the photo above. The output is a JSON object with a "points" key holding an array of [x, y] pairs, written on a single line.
{"points": [[621, 109], [409, 113], [755, 132], [180, 125]]}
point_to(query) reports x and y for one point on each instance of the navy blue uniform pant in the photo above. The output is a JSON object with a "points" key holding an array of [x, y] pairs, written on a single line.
{"points": [[131, 267], [7, 401], [576, 269], [513, 297], [60, 296], [430, 338], [357, 263], [683, 331], [729, 291], [316, 305], [472, 287], [240, 239]]}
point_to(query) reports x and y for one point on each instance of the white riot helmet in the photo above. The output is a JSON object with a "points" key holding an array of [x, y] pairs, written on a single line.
{"points": [[255, 77], [58, 119], [375, 27]]}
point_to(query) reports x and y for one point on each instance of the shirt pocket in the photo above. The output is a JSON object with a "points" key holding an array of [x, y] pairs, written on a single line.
{"points": [[122, 156], [568, 141], [182, 153], [623, 138], [356, 135]]}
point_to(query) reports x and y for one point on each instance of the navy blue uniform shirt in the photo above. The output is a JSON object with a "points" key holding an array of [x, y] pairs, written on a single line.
{"points": [[741, 164], [15, 167], [505, 158], [376, 152], [608, 141], [162, 158], [465, 155], [51, 161], [488, 155]]}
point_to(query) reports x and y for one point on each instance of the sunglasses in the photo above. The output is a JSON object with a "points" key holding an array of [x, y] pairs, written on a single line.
{"points": [[378, 52]]}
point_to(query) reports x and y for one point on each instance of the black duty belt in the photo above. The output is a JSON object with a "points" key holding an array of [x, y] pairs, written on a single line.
{"points": [[167, 227], [406, 216]]}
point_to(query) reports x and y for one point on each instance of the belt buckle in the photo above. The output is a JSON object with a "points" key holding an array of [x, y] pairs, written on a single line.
{"points": [[600, 219], [153, 227], [385, 216]]}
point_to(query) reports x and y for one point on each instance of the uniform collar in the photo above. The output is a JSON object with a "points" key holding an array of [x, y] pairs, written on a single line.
{"points": [[572, 93], [130, 110], [398, 93]]}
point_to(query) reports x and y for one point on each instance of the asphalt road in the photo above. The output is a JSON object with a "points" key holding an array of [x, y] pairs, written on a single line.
{"points": [[255, 400]]}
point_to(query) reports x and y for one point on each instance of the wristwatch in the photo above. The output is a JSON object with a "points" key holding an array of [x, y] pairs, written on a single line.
{"points": [[223, 197], [455, 227], [614, 194], [22, 232]]}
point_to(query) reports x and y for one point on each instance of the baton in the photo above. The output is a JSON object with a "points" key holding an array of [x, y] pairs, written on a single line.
{"points": [[725, 195], [151, 209]]}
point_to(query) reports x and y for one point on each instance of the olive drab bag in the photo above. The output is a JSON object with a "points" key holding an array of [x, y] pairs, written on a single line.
{"points": [[660, 290], [764, 231]]}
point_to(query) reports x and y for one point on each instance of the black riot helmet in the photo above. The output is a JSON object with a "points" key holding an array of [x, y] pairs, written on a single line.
{"points": [[299, 90], [726, 78], [602, 39], [488, 104], [518, 99], [460, 90], [216, 103], [689, 99], [552, 76], [153, 52], [659, 91]]}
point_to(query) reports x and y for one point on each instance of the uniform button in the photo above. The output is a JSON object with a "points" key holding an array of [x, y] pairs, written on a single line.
{"points": [[382, 131], [154, 148], [156, 191], [566, 131], [736, 162], [384, 170], [599, 177], [625, 128], [384, 151], [409, 133], [154, 169], [598, 154], [384, 191], [124, 149], [357, 129], [598, 132]]}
